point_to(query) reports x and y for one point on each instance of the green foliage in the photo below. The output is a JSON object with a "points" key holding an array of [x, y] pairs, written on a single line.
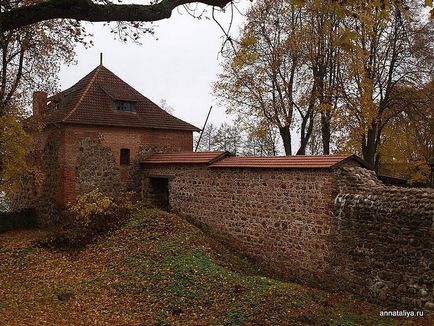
{"points": [[14, 145]]}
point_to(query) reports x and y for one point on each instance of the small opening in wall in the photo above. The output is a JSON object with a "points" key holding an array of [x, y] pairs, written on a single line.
{"points": [[159, 190], [125, 156]]}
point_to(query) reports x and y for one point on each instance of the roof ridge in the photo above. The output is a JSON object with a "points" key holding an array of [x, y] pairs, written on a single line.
{"points": [[82, 95]]}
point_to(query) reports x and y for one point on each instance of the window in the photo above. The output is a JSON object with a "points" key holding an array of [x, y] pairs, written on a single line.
{"points": [[125, 156], [123, 106]]}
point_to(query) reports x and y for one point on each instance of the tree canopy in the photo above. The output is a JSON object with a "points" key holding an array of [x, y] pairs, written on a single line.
{"points": [[331, 72]]}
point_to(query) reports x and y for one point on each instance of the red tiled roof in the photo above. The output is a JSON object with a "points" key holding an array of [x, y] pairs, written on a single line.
{"points": [[89, 101], [297, 161], [185, 157]]}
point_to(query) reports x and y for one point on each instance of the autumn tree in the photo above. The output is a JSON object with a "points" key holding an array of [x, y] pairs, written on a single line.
{"points": [[28, 13], [261, 75], [407, 143], [30, 60], [322, 39], [385, 49], [207, 139], [284, 68]]}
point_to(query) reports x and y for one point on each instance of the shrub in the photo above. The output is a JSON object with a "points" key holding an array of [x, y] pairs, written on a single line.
{"points": [[91, 207], [90, 215]]}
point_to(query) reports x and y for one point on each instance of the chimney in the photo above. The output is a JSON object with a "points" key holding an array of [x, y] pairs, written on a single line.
{"points": [[39, 102]]}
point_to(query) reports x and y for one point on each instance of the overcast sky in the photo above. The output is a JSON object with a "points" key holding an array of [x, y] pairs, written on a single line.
{"points": [[179, 67]]}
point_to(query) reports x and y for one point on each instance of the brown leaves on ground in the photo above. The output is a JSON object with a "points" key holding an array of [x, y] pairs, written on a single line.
{"points": [[158, 270]]}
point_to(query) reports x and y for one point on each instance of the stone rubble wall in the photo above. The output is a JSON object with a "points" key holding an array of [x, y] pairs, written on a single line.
{"points": [[137, 140], [76, 159], [96, 168], [384, 240], [41, 196], [341, 230], [46, 205], [280, 218], [135, 172]]}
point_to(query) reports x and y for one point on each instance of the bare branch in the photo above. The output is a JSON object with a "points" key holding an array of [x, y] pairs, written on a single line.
{"points": [[86, 10]]}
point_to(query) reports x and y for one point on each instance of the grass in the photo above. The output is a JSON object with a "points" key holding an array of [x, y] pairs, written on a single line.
{"points": [[159, 270]]}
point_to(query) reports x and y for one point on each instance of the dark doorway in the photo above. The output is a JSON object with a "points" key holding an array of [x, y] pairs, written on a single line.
{"points": [[159, 192]]}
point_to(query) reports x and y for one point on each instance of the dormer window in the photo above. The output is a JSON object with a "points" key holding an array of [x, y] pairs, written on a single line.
{"points": [[123, 106]]}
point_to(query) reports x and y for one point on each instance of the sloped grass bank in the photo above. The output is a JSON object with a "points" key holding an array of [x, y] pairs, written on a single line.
{"points": [[158, 270]]}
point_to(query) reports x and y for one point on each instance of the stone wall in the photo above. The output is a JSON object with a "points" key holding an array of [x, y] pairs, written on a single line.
{"points": [[384, 240], [280, 218], [341, 230], [76, 159], [47, 206], [41, 193], [96, 168], [139, 141], [135, 172]]}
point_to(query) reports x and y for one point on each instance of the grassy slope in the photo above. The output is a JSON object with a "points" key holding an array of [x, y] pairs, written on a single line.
{"points": [[158, 270]]}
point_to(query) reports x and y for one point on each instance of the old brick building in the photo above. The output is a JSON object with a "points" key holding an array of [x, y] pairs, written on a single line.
{"points": [[91, 136]]}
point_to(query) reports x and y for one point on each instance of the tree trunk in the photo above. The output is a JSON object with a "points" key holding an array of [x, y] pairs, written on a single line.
{"points": [[302, 149], [286, 138], [369, 147], [305, 134], [325, 132]]}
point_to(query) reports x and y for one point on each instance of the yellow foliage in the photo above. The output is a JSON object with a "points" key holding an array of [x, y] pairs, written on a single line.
{"points": [[14, 145], [95, 203], [346, 40], [91, 204], [403, 156]]}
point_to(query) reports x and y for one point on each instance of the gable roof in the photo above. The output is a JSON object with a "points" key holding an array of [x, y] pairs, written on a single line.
{"points": [[294, 162], [90, 101], [226, 160], [185, 157]]}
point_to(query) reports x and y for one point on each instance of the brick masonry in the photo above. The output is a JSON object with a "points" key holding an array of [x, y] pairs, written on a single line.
{"points": [[115, 138], [75, 159], [335, 229]]}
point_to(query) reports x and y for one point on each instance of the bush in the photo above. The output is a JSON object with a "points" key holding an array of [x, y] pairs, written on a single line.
{"points": [[91, 208], [91, 214]]}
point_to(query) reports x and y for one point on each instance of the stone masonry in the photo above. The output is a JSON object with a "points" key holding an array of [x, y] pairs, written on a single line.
{"points": [[384, 240], [337, 229], [280, 218], [97, 169], [77, 159]]}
